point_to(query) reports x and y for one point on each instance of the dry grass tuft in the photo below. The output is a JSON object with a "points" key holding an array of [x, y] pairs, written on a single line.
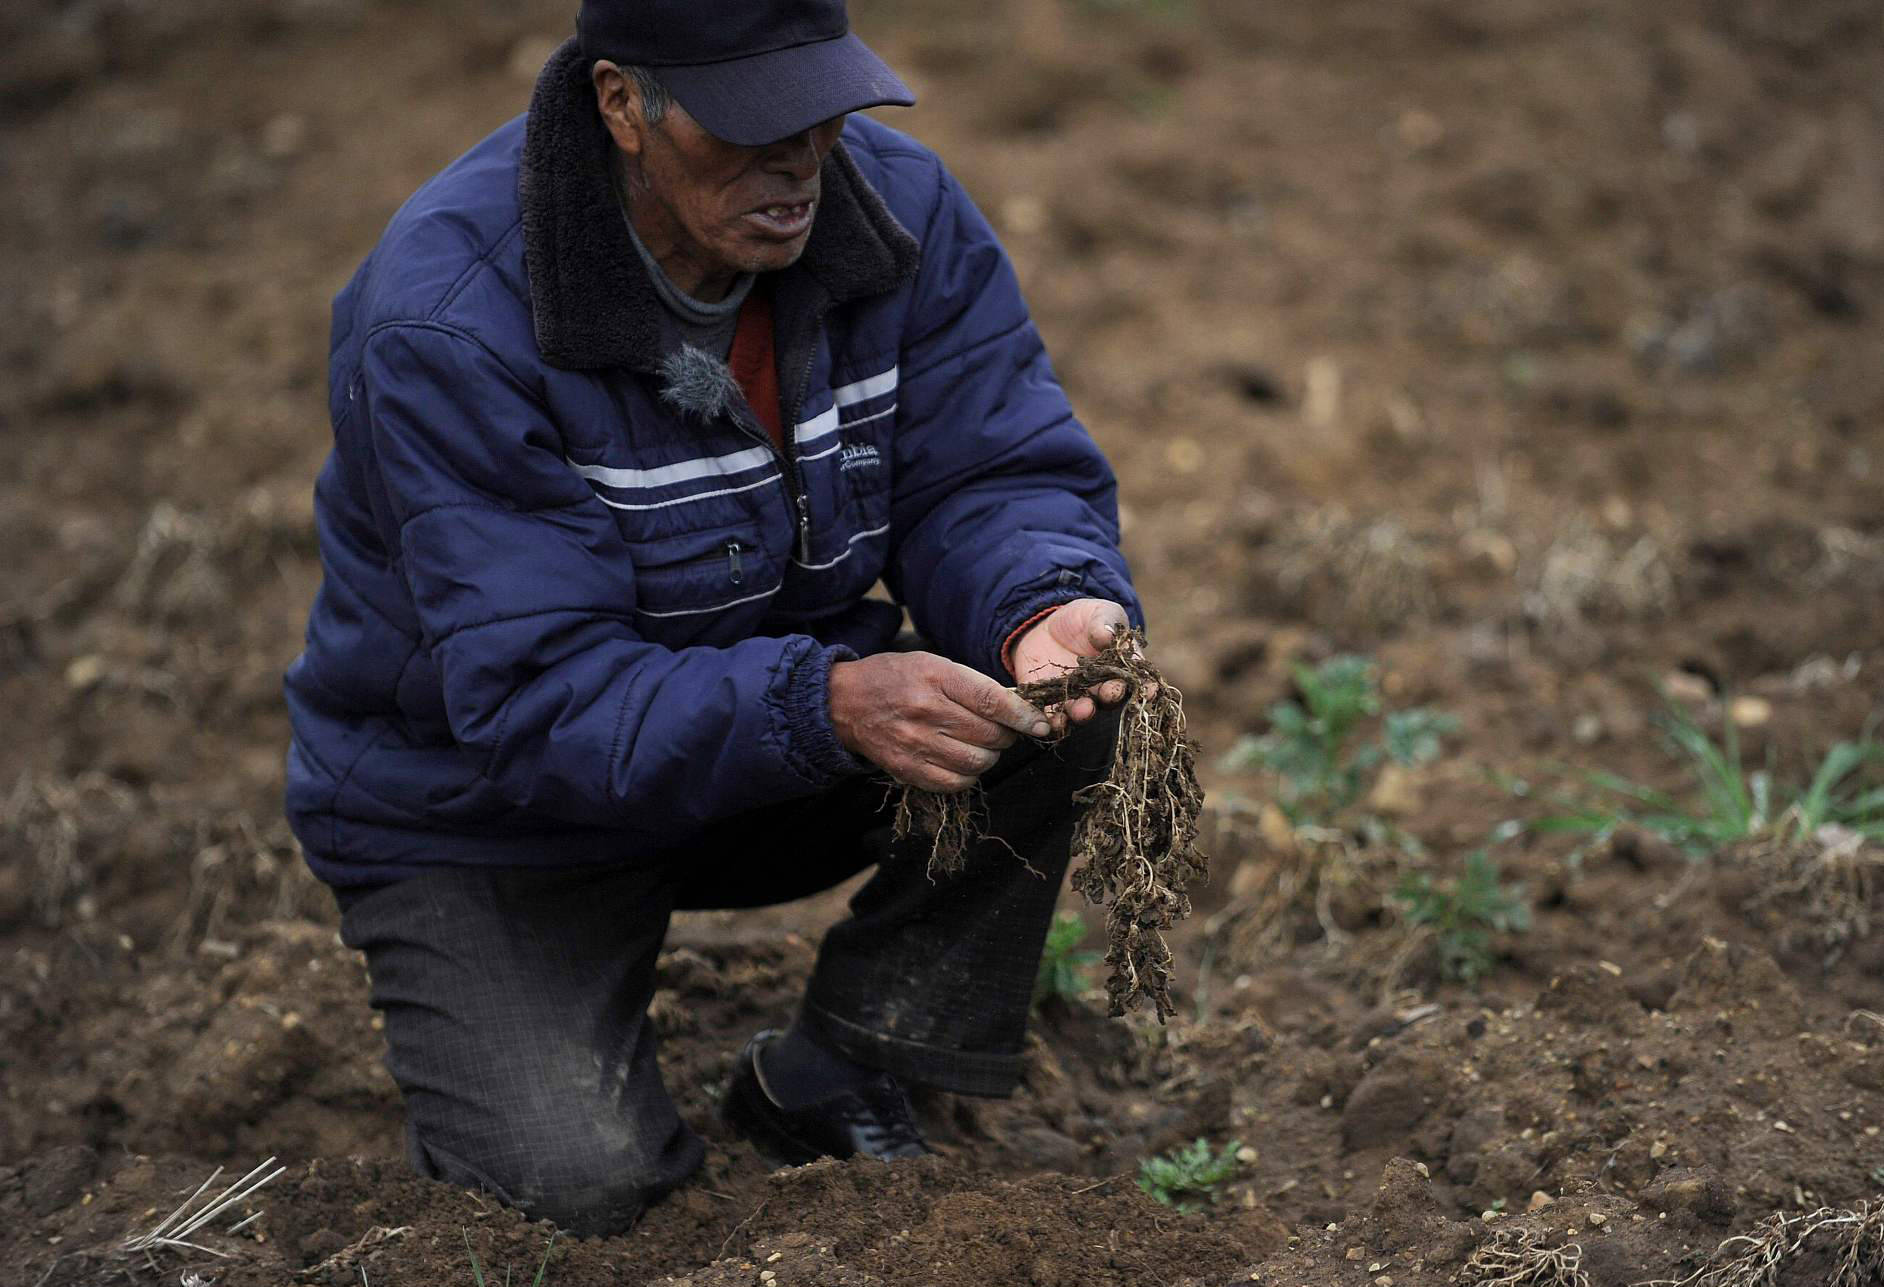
{"points": [[1135, 841], [47, 824], [1519, 1258], [1371, 576], [1832, 884], [1585, 576], [243, 871], [175, 1230], [1835, 1247]]}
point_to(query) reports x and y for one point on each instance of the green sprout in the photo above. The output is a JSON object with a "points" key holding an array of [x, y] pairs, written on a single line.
{"points": [[1063, 965], [1735, 804], [477, 1269], [1464, 912], [1313, 748], [1187, 1178]]}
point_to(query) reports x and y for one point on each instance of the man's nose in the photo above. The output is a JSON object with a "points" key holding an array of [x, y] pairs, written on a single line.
{"points": [[797, 155]]}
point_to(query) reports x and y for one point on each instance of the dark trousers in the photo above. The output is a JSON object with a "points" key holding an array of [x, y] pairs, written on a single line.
{"points": [[516, 1000]]}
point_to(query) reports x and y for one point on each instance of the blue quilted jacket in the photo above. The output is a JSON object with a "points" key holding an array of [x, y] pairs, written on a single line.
{"points": [[561, 623]]}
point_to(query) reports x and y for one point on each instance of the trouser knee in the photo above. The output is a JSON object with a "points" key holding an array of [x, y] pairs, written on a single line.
{"points": [[585, 1189]]}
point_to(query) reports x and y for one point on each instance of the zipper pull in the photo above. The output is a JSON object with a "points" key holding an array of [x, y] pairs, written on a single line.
{"points": [[804, 529], [733, 568]]}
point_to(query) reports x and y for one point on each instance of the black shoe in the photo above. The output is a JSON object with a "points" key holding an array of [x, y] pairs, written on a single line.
{"points": [[874, 1120]]}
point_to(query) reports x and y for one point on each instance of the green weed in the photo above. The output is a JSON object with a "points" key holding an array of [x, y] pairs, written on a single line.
{"points": [[1187, 1178], [1313, 746], [1464, 912], [1063, 965], [477, 1269], [1734, 804]]}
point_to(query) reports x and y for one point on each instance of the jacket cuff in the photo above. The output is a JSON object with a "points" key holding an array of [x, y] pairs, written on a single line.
{"points": [[1014, 635], [811, 742], [1042, 595]]}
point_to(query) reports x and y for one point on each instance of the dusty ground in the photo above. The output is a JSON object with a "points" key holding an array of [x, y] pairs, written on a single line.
{"points": [[1529, 347]]}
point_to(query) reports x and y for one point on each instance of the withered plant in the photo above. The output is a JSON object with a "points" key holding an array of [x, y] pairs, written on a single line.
{"points": [[1135, 841]]}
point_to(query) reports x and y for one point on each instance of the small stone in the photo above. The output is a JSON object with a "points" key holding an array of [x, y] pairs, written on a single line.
{"points": [[1396, 793], [1246, 1156], [1277, 832], [1354, 1253], [1385, 1280], [1321, 401], [1658, 1149], [1183, 455], [1494, 549], [85, 672], [767, 1276], [1686, 686], [1598, 1219], [1750, 712], [284, 135], [1420, 130], [775, 1257], [1024, 215], [1540, 1200]]}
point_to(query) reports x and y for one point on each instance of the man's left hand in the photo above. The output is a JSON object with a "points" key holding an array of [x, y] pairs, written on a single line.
{"points": [[1054, 645]]}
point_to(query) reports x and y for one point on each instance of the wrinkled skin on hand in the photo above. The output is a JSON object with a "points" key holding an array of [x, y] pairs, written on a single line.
{"points": [[927, 721]]}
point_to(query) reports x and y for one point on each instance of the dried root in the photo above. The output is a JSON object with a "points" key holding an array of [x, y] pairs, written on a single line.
{"points": [[952, 821], [1831, 1246], [1519, 1258], [1135, 841]]}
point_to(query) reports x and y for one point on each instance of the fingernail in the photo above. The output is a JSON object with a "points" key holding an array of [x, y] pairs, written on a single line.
{"points": [[1041, 728]]}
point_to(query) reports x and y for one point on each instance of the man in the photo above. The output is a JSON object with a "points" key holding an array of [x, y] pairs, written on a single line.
{"points": [[633, 405]]}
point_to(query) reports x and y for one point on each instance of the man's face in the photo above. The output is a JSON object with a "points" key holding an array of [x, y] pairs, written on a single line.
{"points": [[709, 209]]}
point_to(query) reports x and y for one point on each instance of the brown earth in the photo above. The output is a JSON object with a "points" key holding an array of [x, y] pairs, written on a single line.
{"points": [[1530, 348]]}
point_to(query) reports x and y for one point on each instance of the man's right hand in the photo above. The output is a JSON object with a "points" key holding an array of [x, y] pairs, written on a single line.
{"points": [[925, 720]]}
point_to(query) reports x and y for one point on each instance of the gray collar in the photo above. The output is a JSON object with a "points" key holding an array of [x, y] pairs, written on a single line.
{"points": [[692, 312]]}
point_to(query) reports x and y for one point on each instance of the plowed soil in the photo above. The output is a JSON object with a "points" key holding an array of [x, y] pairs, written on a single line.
{"points": [[1530, 348]]}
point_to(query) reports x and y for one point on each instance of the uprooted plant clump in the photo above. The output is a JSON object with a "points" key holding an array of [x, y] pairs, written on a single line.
{"points": [[1833, 1246], [1135, 842]]}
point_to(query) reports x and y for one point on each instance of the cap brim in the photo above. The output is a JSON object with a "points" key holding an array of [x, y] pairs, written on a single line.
{"points": [[772, 96]]}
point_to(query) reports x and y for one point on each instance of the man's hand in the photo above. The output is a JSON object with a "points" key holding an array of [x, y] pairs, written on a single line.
{"points": [[925, 720], [1054, 645]]}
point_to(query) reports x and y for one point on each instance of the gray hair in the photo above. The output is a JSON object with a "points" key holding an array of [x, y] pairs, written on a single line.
{"points": [[655, 100]]}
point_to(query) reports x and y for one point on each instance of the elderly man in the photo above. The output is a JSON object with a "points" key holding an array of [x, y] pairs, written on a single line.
{"points": [[633, 406]]}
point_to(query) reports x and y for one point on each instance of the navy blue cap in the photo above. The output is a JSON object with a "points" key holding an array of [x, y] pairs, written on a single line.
{"points": [[750, 71]]}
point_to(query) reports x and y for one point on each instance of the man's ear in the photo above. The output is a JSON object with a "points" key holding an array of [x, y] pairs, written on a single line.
{"points": [[618, 99]]}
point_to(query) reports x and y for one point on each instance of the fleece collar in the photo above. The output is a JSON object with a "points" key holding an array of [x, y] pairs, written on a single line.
{"points": [[590, 295]]}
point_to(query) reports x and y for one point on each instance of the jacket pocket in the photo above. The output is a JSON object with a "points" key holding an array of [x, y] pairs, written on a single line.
{"points": [[689, 580]]}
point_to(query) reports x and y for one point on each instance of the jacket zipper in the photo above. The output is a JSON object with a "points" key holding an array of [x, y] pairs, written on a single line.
{"points": [[788, 422], [734, 571], [801, 507], [789, 426]]}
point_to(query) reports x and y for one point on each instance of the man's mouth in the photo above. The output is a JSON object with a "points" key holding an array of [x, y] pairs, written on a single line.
{"points": [[784, 221]]}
